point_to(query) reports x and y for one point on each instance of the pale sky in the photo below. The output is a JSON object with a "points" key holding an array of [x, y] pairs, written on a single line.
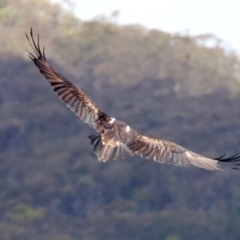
{"points": [[220, 17]]}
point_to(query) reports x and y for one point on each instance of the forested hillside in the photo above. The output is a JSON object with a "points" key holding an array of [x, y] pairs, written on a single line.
{"points": [[52, 186]]}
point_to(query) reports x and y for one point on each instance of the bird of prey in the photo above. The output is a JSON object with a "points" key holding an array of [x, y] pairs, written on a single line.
{"points": [[116, 139]]}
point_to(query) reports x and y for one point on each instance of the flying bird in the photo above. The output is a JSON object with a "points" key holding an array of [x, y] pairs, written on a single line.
{"points": [[115, 138]]}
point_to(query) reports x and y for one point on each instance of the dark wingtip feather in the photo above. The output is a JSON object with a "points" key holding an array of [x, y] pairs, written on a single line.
{"points": [[44, 53], [35, 46], [220, 157], [231, 160], [234, 158]]}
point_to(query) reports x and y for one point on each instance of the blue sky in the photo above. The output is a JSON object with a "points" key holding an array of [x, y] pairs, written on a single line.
{"points": [[220, 17]]}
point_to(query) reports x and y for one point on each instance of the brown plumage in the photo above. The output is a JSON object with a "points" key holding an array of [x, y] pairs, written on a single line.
{"points": [[116, 138]]}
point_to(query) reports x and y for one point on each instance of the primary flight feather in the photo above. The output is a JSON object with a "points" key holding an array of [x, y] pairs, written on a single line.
{"points": [[116, 139]]}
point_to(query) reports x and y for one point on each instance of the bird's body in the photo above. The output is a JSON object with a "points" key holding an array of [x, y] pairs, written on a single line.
{"points": [[112, 142], [116, 139]]}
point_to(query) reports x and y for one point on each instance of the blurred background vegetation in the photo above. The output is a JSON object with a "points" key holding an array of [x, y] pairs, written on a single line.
{"points": [[172, 86]]}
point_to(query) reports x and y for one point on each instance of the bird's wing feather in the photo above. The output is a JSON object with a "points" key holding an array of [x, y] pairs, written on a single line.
{"points": [[171, 153], [74, 97]]}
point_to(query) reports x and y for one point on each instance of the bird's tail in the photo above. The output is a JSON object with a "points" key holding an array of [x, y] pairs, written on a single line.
{"points": [[106, 152]]}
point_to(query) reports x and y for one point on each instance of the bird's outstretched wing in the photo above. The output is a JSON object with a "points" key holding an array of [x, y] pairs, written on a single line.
{"points": [[171, 153], [74, 97]]}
